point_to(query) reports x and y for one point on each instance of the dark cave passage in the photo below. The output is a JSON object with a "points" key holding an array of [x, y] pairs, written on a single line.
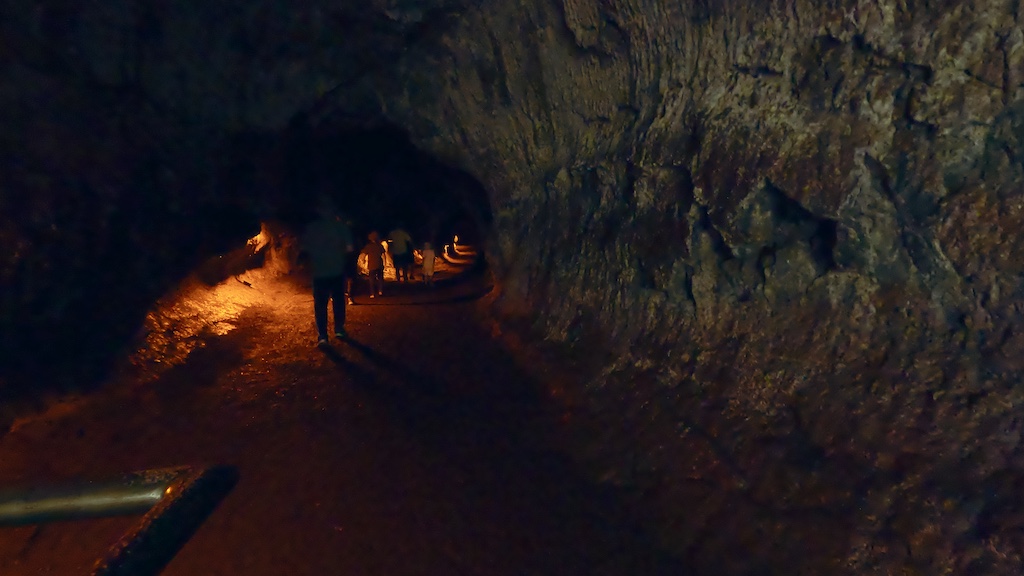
{"points": [[765, 257], [264, 181], [416, 445]]}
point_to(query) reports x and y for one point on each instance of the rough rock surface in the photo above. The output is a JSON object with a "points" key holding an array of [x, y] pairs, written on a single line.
{"points": [[782, 234]]}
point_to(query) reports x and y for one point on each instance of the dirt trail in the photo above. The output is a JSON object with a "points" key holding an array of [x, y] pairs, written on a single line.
{"points": [[417, 448]]}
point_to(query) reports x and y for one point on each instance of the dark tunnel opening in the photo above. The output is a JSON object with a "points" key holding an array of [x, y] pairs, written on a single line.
{"points": [[375, 175]]}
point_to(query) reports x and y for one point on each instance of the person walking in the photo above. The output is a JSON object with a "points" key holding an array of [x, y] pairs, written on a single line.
{"points": [[326, 241], [401, 252], [375, 263], [428, 264], [351, 269]]}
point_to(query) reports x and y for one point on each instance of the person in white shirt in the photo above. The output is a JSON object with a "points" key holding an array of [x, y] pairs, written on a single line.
{"points": [[428, 263]]}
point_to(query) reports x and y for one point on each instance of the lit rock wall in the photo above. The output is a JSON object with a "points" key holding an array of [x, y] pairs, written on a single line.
{"points": [[784, 236], [781, 238]]}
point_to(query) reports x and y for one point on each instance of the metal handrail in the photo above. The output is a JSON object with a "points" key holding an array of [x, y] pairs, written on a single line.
{"points": [[174, 503]]}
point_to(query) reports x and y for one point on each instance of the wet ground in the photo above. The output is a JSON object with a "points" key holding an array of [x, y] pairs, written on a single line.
{"points": [[418, 447]]}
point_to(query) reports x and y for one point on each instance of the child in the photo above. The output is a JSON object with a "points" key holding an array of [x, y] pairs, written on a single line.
{"points": [[428, 264]]}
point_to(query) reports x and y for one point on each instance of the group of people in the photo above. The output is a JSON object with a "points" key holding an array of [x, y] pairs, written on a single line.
{"points": [[334, 262]]}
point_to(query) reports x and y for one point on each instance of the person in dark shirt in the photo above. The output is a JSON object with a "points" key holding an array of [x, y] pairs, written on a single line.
{"points": [[327, 241], [374, 251], [351, 269], [401, 253]]}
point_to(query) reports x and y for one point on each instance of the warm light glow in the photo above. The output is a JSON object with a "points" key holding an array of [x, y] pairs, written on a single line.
{"points": [[456, 239], [260, 240]]}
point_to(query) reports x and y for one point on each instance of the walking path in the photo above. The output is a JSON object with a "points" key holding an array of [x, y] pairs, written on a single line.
{"points": [[418, 448]]}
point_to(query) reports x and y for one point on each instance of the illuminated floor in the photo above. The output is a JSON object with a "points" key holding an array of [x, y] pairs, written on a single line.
{"points": [[413, 451]]}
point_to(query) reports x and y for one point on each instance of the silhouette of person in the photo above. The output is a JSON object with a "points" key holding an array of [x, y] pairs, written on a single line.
{"points": [[351, 268], [401, 252], [374, 251], [327, 241]]}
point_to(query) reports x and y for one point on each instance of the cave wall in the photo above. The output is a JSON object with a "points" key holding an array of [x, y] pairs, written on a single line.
{"points": [[780, 236], [786, 233]]}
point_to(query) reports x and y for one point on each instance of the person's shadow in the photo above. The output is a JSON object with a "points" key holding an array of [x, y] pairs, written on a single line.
{"points": [[434, 403], [421, 382], [360, 376], [418, 399]]}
